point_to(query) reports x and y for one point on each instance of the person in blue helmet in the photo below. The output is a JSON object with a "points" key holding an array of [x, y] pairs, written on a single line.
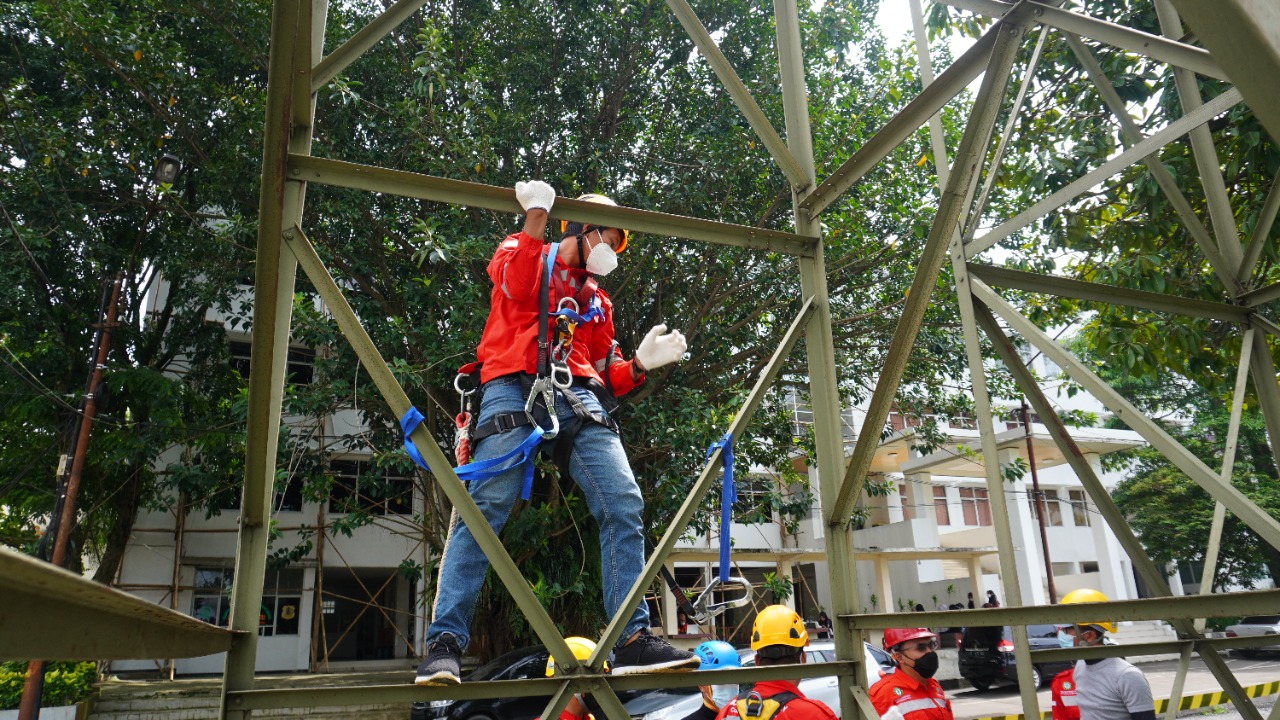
{"points": [[714, 655]]}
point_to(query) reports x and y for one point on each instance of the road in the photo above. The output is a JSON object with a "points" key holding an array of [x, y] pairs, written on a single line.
{"points": [[969, 704]]}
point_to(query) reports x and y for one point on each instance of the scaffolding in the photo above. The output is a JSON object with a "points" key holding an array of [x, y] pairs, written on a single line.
{"points": [[1241, 44]]}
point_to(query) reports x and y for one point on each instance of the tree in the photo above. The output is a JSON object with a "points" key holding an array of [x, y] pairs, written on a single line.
{"points": [[1200, 422], [92, 94], [590, 96], [1127, 233]]}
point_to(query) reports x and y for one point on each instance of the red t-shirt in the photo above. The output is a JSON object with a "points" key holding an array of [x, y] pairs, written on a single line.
{"points": [[510, 340], [899, 697], [802, 708], [1063, 691]]}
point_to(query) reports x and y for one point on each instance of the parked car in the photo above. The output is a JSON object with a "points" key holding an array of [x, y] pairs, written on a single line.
{"points": [[531, 662], [987, 658], [1253, 626], [878, 664]]}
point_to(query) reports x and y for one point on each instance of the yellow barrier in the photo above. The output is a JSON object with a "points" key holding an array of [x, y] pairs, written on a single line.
{"points": [[1189, 702]]}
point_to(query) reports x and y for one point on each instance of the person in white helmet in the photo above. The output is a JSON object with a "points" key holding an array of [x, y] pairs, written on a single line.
{"points": [[531, 283]]}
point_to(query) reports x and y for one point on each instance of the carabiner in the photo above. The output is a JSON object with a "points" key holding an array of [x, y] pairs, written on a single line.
{"points": [[542, 387], [705, 610], [568, 301]]}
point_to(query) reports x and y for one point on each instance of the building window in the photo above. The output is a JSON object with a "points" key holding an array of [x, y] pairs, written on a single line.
{"points": [[1079, 508], [1052, 507], [1191, 572], [902, 499], [357, 485], [281, 599], [299, 366], [940, 507], [976, 506]]}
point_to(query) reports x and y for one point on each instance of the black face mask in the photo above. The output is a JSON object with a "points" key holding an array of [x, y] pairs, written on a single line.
{"points": [[926, 665]]}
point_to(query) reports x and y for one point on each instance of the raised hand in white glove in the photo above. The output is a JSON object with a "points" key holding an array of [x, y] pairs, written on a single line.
{"points": [[535, 194], [660, 348]]}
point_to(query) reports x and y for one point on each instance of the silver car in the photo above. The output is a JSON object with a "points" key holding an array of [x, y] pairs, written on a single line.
{"points": [[1253, 626]]}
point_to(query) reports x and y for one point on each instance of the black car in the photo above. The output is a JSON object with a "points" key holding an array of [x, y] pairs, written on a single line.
{"points": [[986, 655], [530, 662]]}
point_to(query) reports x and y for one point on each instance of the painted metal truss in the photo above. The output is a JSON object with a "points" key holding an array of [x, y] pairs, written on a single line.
{"points": [[297, 69]]}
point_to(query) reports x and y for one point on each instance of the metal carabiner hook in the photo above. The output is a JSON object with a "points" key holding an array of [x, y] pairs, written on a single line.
{"points": [[542, 387], [705, 610]]}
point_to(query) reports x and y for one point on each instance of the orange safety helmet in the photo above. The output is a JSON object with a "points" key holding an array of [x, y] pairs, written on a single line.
{"points": [[897, 636], [603, 200]]}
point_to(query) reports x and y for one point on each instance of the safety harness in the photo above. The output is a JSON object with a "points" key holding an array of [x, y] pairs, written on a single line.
{"points": [[553, 375], [752, 705]]}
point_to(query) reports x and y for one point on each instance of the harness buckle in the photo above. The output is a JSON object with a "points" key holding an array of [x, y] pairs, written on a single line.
{"points": [[542, 387], [705, 610]]}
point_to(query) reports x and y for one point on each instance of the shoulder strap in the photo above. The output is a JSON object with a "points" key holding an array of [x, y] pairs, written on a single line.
{"points": [[544, 311], [752, 705]]}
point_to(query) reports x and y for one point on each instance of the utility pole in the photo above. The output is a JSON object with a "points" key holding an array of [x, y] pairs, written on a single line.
{"points": [[1040, 505], [33, 689]]}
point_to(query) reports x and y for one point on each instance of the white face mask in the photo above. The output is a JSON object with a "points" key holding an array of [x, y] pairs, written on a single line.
{"points": [[1065, 640], [722, 695], [602, 260]]}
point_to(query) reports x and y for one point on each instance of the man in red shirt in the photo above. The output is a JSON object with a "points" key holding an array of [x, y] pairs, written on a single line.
{"points": [[514, 349], [911, 693], [778, 636]]}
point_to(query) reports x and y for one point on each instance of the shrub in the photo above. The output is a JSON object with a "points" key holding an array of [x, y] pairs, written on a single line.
{"points": [[65, 683]]}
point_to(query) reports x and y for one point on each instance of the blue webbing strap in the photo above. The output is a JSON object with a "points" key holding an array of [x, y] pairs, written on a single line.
{"points": [[594, 313], [411, 420], [485, 469], [728, 496], [480, 469]]}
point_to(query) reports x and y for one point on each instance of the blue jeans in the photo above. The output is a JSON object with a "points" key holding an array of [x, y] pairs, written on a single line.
{"points": [[599, 466]]}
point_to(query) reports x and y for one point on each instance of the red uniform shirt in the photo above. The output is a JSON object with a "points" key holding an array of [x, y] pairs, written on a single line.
{"points": [[899, 697], [802, 708], [510, 340], [1063, 690]]}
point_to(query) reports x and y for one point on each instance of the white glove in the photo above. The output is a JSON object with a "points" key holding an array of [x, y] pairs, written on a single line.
{"points": [[535, 194], [658, 349]]}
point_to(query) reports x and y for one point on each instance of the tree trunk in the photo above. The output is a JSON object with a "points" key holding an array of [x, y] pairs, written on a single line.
{"points": [[124, 508]]}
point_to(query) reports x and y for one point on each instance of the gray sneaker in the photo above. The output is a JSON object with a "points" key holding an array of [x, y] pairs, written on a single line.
{"points": [[442, 664], [650, 653]]}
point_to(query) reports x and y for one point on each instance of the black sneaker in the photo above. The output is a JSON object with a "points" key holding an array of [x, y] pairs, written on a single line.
{"points": [[650, 653], [441, 666]]}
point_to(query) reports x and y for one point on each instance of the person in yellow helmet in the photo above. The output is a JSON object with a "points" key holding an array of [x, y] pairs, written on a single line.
{"points": [[779, 638], [1106, 688], [579, 708], [525, 379]]}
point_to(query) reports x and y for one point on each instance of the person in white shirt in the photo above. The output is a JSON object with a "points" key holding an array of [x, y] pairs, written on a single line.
{"points": [[1109, 688]]}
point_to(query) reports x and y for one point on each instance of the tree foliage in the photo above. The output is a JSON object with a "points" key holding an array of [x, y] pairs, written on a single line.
{"points": [[1127, 233], [591, 96]]}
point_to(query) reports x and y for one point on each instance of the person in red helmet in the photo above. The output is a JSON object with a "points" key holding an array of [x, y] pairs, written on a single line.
{"points": [[911, 693]]}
